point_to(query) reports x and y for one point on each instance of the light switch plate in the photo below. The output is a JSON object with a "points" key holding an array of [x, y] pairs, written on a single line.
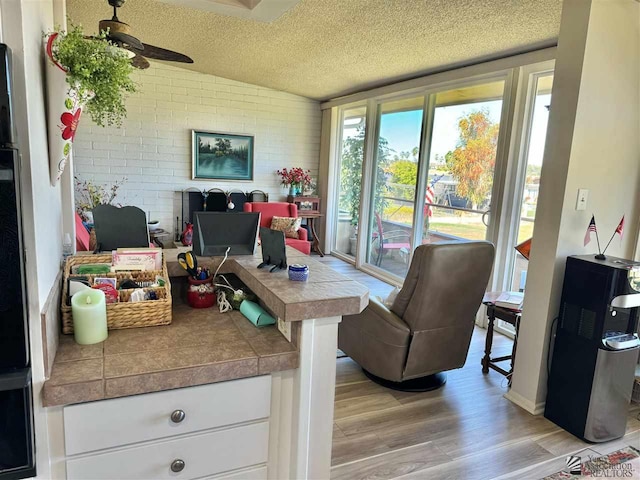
{"points": [[581, 201], [285, 328]]}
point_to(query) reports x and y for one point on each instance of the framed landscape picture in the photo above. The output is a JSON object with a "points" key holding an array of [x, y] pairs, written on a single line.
{"points": [[222, 156]]}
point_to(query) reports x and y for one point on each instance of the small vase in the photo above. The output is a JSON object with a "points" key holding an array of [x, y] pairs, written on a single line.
{"points": [[294, 189], [187, 235]]}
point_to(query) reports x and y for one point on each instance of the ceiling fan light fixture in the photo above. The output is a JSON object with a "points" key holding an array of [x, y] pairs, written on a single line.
{"points": [[117, 48]]}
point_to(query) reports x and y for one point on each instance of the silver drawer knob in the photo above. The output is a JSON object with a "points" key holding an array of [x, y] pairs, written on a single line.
{"points": [[177, 416], [177, 465]]}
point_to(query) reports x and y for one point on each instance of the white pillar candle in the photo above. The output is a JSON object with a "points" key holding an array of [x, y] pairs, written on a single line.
{"points": [[89, 310]]}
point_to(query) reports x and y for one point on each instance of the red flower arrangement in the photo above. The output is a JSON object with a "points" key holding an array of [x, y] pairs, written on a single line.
{"points": [[295, 176]]}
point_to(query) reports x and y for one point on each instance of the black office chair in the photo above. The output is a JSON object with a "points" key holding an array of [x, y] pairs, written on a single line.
{"points": [[124, 227], [258, 196], [215, 200]]}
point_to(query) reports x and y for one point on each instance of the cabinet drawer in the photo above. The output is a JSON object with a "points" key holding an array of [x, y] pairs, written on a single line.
{"points": [[258, 473], [122, 421], [203, 454]]}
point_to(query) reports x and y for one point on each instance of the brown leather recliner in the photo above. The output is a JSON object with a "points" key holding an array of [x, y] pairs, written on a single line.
{"points": [[428, 329]]}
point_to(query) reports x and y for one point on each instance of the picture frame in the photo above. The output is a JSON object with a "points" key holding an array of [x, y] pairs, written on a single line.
{"points": [[221, 156]]}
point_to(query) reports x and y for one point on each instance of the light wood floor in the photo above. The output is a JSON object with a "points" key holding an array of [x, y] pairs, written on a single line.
{"points": [[465, 430]]}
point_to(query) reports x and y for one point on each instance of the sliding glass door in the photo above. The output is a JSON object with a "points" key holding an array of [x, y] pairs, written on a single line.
{"points": [[393, 184]]}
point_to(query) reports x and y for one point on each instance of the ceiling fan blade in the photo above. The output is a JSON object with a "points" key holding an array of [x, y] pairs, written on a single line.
{"points": [[126, 39], [140, 62], [119, 33], [158, 53]]}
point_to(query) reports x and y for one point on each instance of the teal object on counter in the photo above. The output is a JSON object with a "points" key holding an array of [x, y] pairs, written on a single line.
{"points": [[256, 314]]}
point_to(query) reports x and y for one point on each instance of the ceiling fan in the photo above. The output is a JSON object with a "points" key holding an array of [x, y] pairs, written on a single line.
{"points": [[120, 34]]}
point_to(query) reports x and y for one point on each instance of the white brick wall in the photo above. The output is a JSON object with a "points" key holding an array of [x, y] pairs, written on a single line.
{"points": [[153, 147]]}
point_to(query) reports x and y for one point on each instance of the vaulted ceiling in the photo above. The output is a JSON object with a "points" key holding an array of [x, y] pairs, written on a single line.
{"points": [[323, 49]]}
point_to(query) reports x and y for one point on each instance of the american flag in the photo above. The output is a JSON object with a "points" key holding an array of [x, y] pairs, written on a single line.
{"points": [[620, 228], [430, 197], [590, 228]]}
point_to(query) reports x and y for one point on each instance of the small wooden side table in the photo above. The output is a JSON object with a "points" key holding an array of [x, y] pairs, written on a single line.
{"points": [[311, 218], [512, 317]]}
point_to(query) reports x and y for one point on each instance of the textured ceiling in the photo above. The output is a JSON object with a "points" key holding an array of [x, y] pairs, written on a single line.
{"points": [[327, 48]]}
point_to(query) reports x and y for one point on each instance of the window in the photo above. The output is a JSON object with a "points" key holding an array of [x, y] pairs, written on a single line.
{"points": [[349, 179], [462, 159], [458, 130], [535, 135], [431, 166], [395, 174]]}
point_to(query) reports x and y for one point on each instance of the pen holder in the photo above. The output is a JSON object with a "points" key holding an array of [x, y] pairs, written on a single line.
{"points": [[200, 293], [298, 273]]}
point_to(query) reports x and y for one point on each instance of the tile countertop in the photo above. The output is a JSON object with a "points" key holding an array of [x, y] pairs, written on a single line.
{"points": [[326, 293], [202, 345]]}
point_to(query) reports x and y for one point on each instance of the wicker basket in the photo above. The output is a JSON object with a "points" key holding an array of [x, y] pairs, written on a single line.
{"points": [[124, 314]]}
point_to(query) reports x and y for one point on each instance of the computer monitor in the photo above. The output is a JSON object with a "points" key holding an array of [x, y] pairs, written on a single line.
{"points": [[214, 232]]}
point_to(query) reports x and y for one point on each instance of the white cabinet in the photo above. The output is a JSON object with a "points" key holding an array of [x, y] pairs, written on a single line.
{"points": [[127, 420], [217, 431], [259, 473], [193, 456]]}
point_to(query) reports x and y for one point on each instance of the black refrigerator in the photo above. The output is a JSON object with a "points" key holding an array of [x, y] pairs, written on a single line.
{"points": [[16, 418]]}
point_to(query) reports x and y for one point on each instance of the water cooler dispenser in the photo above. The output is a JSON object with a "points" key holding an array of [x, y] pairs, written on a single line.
{"points": [[596, 348]]}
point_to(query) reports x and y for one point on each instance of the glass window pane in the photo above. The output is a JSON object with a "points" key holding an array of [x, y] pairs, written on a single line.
{"points": [[535, 152], [350, 177], [394, 183], [464, 141]]}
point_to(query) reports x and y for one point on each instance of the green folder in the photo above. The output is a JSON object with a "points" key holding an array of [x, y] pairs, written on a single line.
{"points": [[256, 314]]}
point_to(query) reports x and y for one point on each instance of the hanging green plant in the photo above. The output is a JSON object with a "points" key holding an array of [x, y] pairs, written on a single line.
{"points": [[96, 69]]}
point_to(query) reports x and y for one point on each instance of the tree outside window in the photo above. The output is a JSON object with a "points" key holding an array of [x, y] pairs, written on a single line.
{"points": [[472, 162]]}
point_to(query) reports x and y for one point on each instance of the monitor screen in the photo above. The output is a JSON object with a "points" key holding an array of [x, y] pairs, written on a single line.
{"points": [[213, 232]]}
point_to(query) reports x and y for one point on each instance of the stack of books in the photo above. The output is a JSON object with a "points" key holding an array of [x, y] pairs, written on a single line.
{"points": [[510, 300]]}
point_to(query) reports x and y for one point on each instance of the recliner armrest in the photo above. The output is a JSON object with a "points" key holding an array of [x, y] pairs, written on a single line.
{"points": [[380, 310]]}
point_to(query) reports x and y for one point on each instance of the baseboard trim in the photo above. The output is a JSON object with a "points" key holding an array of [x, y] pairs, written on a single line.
{"points": [[525, 403]]}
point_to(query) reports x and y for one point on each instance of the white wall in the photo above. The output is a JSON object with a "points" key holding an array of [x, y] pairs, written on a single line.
{"points": [[22, 25], [593, 142], [153, 147], [41, 206]]}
